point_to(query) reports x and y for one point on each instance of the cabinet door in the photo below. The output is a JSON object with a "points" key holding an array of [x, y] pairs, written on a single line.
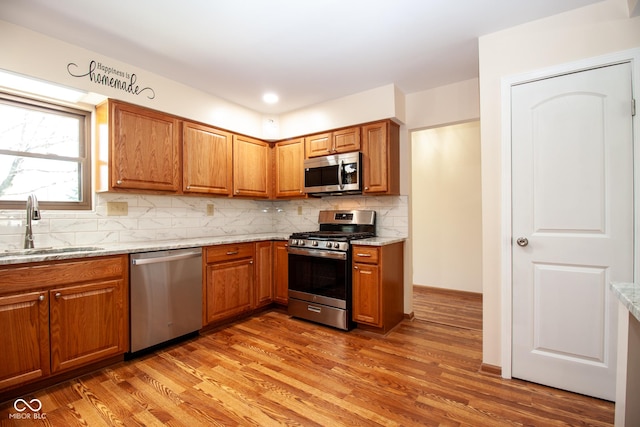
{"points": [[24, 338], [229, 289], [281, 273], [145, 152], [251, 167], [366, 294], [375, 152], [381, 158], [264, 274], [87, 322], [318, 145], [289, 163], [207, 160], [345, 140]]}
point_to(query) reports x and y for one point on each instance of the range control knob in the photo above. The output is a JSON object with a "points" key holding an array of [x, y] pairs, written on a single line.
{"points": [[294, 242], [336, 245], [301, 242], [329, 244], [314, 243]]}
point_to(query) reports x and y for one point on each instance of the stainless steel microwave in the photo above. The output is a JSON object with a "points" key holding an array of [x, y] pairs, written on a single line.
{"points": [[333, 175]]}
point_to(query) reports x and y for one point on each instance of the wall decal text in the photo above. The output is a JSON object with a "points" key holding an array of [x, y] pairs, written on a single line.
{"points": [[104, 75]]}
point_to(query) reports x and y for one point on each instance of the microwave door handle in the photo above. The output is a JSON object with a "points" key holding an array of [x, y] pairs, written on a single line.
{"points": [[340, 171]]}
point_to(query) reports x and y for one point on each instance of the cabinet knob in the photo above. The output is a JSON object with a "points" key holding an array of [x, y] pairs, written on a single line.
{"points": [[41, 298], [119, 182], [250, 262], [188, 187], [366, 188], [58, 295], [355, 267]]}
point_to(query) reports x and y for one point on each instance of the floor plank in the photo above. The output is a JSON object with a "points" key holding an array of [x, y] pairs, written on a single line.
{"points": [[275, 370], [454, 308]]}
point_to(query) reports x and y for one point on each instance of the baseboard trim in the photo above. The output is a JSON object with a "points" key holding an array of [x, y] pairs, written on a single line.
{"points": [[455, 292], [409, 316], [485, 368]]}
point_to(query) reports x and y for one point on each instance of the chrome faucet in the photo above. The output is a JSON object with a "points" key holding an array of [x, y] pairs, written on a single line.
{"points": [[33, 214]]}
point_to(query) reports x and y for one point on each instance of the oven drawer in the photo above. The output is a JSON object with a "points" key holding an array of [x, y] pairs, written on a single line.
{"points": [[228, 252], [365, 254], [319, 313]]}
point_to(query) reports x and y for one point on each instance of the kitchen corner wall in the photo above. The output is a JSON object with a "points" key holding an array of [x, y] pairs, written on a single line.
{"points": [[157, 218]]}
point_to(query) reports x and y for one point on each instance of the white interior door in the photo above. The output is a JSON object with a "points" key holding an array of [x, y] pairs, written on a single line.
{"points": [[572, 219]]}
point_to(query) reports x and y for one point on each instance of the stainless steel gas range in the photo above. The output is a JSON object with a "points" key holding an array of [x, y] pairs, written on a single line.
{"points": [[320, 266]]}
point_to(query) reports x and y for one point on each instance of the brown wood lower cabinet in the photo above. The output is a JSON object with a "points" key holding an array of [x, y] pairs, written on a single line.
{"points": [[280, 273], [59, 316], [264, 274], [378, 286], [24, 333], [240, 278], [228, 289]]}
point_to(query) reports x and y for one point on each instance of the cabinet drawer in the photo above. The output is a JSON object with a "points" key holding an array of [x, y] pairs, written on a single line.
{"points": [[229, 252], [366, 254], [57, 273]]}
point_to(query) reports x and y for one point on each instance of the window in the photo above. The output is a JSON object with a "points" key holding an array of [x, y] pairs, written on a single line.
{"points": [[44, 149]]}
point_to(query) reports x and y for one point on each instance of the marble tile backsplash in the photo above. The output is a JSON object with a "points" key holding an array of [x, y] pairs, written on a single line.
{"points": [[156, 218]]}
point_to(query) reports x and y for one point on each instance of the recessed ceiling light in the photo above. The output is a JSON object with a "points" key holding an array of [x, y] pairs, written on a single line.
{"points": [[270, 98]]}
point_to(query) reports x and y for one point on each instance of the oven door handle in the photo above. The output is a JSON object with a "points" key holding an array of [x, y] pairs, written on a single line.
{"points": [[318, 253]]}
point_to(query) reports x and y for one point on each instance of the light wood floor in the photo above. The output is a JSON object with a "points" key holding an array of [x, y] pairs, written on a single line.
{"points": [[274, 370]]}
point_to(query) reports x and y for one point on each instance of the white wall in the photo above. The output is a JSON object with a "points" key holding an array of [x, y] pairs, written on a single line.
{"points": [[36, 55], [385, 102], [453, 103], [447, 208], [602, 28]]}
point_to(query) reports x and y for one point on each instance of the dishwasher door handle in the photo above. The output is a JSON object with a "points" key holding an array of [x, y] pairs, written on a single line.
{"points": [[168, 258]]}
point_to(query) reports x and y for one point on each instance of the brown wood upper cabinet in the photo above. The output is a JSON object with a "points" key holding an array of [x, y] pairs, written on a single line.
{"points": [[251, 167], [207, 160], [138, 149], [289, 168], [381, 158], [61, 316], [337, 141]]}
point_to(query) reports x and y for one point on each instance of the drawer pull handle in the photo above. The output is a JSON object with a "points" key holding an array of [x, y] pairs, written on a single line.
{"points": [[364, 255], [313, 308], [232, 253]]}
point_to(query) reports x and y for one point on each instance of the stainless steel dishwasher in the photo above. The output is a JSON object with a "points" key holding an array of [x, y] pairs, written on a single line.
{"points": [[166, 296]]}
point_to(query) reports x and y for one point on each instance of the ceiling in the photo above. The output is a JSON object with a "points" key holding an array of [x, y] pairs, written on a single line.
{"points": [[306, 51]]}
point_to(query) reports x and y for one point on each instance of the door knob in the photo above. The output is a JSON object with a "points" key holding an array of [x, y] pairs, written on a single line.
{"points": [[522, 241]]}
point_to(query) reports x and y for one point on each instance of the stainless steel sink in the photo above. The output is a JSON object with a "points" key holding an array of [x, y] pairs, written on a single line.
{"points": [[49, 251]]}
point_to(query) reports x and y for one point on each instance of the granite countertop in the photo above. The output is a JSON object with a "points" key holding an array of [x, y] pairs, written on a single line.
{"points": [[8, 258], [629, 295]]}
